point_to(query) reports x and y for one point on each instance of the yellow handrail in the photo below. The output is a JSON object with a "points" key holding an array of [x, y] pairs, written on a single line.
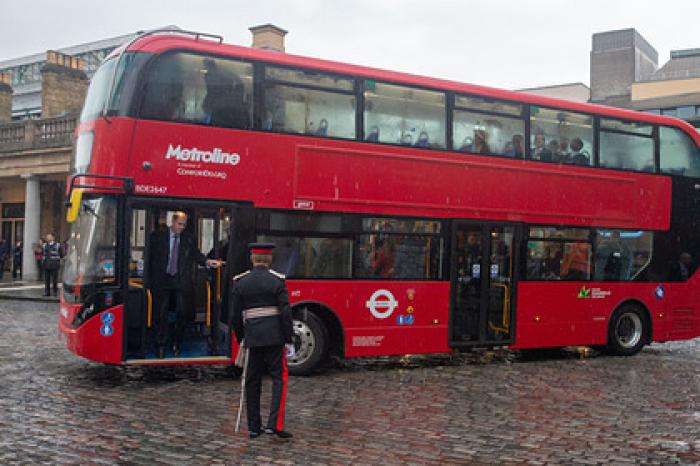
{"points": [[218, 285], [137, 283], [149, 299], [506, 310], [208, 304]]}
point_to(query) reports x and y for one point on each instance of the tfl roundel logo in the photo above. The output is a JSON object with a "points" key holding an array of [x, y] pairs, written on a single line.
{"points": [[381, 304]]}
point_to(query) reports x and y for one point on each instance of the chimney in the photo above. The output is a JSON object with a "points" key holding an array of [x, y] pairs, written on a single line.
{"points": [[268, 37], [5, 96], [63, 84]]}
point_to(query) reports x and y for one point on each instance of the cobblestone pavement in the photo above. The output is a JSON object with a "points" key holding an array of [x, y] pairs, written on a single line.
{"points": [[494, 408]]}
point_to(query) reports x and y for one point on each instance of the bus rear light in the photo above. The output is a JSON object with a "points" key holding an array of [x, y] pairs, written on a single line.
{"points": [[436, 321]]}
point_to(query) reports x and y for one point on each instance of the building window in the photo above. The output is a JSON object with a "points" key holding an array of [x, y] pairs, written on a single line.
{"points": [[13, 210], [686, 112]]}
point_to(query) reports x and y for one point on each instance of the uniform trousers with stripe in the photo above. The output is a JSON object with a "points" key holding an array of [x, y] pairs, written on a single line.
{"points": [[263, 360]]}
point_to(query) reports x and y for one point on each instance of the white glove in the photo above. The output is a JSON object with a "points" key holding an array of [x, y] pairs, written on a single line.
{"points": [[290, 349]]}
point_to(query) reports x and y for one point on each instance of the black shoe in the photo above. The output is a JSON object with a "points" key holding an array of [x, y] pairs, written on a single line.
{"points": [[253, 434], [279, 433], [161, 352]]}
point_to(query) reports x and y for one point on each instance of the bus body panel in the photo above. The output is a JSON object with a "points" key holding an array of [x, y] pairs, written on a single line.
{"points": [[383, 317], [285, 171], [99, 338], [111, 146], [551, 314]]}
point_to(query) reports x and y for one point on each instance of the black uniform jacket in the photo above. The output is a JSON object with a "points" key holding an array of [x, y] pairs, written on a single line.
{"points": [[261, 287], [188, 256]]}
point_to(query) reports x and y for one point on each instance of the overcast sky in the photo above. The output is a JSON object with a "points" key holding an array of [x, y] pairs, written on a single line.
{"points": [[499, 43]]}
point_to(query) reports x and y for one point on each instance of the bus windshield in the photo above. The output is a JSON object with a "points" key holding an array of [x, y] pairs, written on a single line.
{"points": [[97, 93], [92, 244]]}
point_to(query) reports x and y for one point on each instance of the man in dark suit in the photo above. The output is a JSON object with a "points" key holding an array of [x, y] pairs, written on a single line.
{"points": [[262, 316], [172, 259]]}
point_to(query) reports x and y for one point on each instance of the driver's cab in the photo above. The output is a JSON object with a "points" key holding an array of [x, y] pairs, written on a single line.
{"points": [[215, 230]]}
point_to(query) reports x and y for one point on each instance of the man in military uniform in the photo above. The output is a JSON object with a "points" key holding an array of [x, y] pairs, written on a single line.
{"points": [[262, 319]]}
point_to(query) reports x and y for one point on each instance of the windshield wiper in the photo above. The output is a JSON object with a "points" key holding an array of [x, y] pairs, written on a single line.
{"points": [[90, 209]]}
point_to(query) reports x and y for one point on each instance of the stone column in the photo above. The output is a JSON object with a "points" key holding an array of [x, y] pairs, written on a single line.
{"points": [[32, 226]]}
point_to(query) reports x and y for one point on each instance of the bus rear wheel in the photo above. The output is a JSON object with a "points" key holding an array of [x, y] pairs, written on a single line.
{"points": [[310, 343], [628, 331]]}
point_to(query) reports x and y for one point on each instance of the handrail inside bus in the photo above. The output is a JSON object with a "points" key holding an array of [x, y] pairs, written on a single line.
{"points": [[141, 35], [208, 304], [506, 308]]}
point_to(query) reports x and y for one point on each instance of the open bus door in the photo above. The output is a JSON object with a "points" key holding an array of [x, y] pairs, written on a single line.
{"points": [[483, 277], [220, 232]]}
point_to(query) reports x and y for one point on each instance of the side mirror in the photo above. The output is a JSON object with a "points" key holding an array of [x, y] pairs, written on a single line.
{"points": [[76, 198]]}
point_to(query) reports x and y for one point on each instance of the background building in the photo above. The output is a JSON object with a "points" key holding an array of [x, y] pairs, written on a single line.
{"points": [[578, 92], [625, 73]]}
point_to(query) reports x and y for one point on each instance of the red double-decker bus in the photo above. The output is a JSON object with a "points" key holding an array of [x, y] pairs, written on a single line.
{"points": [[411, 214]]}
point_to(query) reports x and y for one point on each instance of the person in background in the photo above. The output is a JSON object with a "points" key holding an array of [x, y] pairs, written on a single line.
{"points": [[53, 253], [579, 156], [423, 140], [613, 259], [681, 269], [539, 151], [17, 260], [517, 147], [575, 265], [552, 152], [3, 254], [39, 256], [373, 135]]}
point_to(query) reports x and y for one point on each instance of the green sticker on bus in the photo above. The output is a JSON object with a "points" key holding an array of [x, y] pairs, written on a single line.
{"points": [[370, 84], [584, 292]]}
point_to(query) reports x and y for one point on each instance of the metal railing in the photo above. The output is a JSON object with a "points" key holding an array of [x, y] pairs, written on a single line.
{"points": [[37, 134]]}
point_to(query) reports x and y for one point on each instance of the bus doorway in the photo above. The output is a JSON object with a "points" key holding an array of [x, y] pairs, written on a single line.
{"points": [[483, 284], [201, 333]]}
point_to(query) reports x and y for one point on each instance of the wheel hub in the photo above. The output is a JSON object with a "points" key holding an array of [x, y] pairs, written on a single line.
{"points": [[628, 330], [304, 343]]}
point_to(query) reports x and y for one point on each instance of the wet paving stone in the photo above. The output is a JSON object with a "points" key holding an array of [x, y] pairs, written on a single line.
{"points": [[500, 407]]}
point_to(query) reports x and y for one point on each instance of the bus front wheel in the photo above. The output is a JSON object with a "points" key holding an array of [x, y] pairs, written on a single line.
{"points": [[628, 331], [310, 342]]}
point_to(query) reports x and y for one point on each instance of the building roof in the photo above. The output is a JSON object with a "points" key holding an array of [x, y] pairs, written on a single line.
{"points": [[26, 85], [683, 64]]}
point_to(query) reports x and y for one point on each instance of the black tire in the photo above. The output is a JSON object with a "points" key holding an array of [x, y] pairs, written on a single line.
{"points": [[628, 331], [310, 343]]}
